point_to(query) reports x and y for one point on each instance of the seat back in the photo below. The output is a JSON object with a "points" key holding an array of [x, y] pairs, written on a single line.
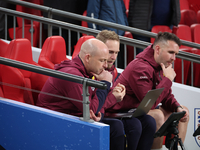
{"points": [[16, 50], [3, 48], [198, 16], [160, 28], [184, 33], [184, 4], [195, 30], [194, 5], [53, 52], [188, 17], [79, 43]]}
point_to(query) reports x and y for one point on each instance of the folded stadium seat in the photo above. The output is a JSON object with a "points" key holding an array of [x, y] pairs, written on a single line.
{"points": [[188, 17], [27, 25], [20, 50], [184, 4], [79, 43], [53, 52], [198, 16], [184, 33], [160, 28]]}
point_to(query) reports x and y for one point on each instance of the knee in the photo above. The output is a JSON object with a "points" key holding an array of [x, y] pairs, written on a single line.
{"points": [[117, 128], [159, 117], [151, 123], [133, 126], [187, 112]]}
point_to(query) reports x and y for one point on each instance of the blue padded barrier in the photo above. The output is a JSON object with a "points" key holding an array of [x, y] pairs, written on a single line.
{"points": [[27, 127]]}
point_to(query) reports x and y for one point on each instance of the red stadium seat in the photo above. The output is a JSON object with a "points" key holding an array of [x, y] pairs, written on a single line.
{"points": [[53, 52], [3, 48], [194, 5], [188, 17], [20, 50], [198, 16], [195, 30], [184, 4], [27, 25], [79, 43], [160, 28], [184, 33]]}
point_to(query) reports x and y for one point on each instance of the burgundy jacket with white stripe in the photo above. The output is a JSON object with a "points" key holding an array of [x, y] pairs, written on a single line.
{"points": [[140, 76], [67, 89]]}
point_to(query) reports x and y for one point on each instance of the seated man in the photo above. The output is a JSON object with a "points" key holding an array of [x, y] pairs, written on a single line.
{"points": [[91, 61], [152, 69], [139, 131]]}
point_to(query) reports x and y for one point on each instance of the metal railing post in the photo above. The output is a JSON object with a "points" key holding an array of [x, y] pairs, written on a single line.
{"points": [[49, 25], [86, 103]]}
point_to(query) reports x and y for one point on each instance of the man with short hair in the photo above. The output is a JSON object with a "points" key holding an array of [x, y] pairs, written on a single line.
{"points": [[152, 69], [139, 131], [91, 61]]}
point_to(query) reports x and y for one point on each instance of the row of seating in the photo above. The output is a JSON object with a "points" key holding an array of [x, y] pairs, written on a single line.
{"points": [[13, 78], [53, 52]]}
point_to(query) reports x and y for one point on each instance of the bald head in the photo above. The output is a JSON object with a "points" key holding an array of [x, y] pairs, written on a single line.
{"points": [[92, 47], [94, 54]]}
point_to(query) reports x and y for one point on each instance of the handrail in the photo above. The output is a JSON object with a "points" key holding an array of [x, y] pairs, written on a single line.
{"points": [[189, 56], [96, 21], [125, 40], [72, 27], [61, 75], [51, 72]]}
